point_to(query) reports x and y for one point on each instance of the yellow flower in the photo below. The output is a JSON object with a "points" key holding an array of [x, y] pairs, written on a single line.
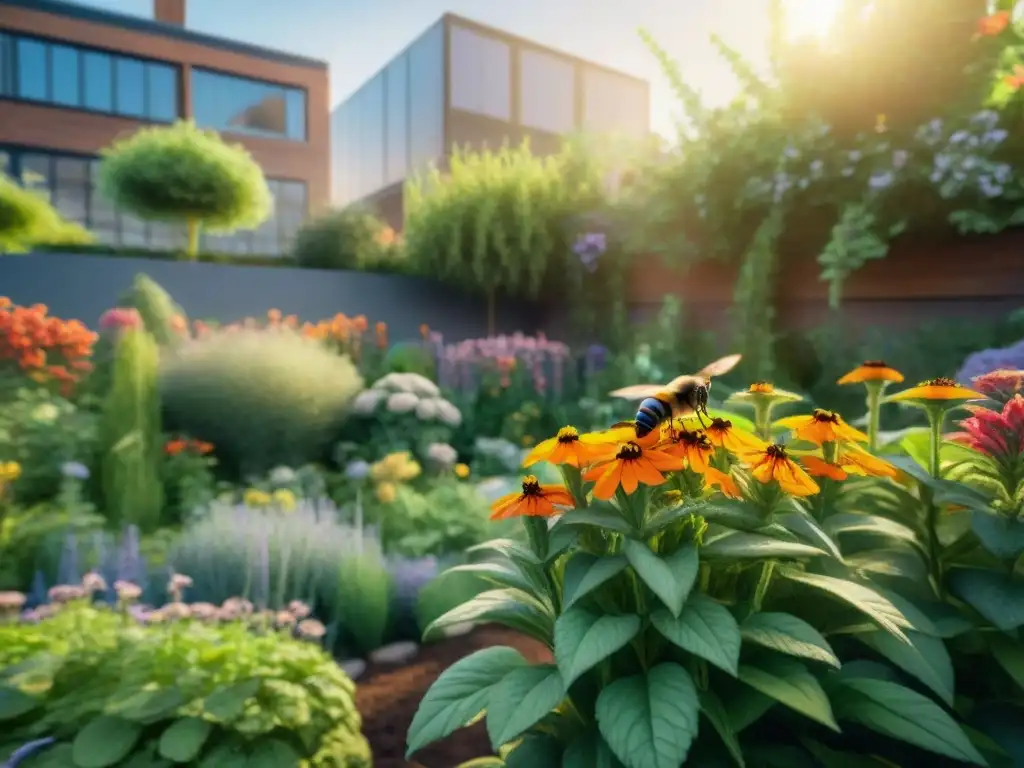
{"points": [[631, 465], [764, 391], [396, 467], [284, 499], [857, 461], [936, 390], [871, 370], [462, 471], [535, 500], [822, 427], [567, 447], [10, 471], [256, 498], [723, 434], [714, 478], [772, 463], [694, 448], [386, 493]]}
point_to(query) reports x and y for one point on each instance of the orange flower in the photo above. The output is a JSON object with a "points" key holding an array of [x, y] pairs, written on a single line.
{"points": [[536, 500], [941, 389], [818, 467], [381, 330], [773, 464], [723, 434], [871, 370], [822, 427], [179, 324], [694, 448], [424, 331], [858, 461], [629, 466], [714, 478], [174, 447], [990, 26], [273, 316], [761, 388], [359, 323], [201, 447], [567, 447]]}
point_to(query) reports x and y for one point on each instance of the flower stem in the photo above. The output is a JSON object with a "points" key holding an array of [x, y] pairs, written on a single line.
{"points": [[936, 417], [874, 400], [762, 584]]}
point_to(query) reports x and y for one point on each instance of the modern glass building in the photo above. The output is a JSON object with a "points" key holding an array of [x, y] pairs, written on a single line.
{"points": [[463, 84], [73, 78]]}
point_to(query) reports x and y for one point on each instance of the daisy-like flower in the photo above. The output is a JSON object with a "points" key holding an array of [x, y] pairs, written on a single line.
{"points": [[822, 427], [871, 370], [941, 390], [857, 461], [714, 478], [723, 434], [818, 467], [694, 448], [567, 447], [630, 465], [764, 391], [535, 500], [773, 463]]}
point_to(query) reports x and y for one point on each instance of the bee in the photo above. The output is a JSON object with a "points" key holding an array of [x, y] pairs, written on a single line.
{"points": [[682, 396]]}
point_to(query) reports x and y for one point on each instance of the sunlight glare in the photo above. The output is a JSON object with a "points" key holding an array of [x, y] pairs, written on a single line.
{"points": [[810, 18]]}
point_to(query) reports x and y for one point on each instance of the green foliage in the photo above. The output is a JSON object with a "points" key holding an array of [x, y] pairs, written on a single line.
{"points": [[183, 173], [263, 398], [156, 308], [410, 357], [32, 540], [130, 443], [114, 693], [347, 239], [27, 219]]}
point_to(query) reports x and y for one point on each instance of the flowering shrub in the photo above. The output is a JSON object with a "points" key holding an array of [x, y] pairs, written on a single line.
{"points": [[716, 594], [187, 471], [103, 688], [45, 348]]}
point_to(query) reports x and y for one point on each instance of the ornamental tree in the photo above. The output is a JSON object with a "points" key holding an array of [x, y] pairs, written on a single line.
{"points": [[181, 173], [27, 219]]}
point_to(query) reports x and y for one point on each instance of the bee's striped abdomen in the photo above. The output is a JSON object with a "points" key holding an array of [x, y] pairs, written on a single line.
{"points": [[650, 414]]}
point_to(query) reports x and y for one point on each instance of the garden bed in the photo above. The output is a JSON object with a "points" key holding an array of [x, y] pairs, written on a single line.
{"points": [[388, 694]]}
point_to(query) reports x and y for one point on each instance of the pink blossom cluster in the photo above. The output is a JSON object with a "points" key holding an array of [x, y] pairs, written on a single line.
{"points": [[120, 319], [462, 364]]}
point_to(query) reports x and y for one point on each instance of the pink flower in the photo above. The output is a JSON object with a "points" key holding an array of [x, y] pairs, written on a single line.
{"points": [[1000, 385], [999, 434], [119, 319]]}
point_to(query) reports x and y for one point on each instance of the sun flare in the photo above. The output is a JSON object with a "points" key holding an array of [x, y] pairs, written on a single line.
{"points": [[810, 18]]}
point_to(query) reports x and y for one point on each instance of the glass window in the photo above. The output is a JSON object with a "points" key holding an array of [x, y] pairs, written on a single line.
{"points": [[396, 116], [64, 63], [98, 81], [165, 236], [5, 162], [480, 72], [162, 91], [371, 136], [546, 92], [71, 188], [240, 105], [615, 104], [33, 70], [133, 231], [426, 99], [131, 87], [5, 66], [36, 173], [103, 219]]}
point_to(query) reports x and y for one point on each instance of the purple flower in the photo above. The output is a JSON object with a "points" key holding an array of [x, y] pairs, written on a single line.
{"points": [[590, 247]]}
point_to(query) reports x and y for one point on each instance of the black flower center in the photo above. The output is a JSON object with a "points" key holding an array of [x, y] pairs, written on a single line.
{"points": [[775, 452], [629, 452], [825, 417], [568, 435], [531, 486]]}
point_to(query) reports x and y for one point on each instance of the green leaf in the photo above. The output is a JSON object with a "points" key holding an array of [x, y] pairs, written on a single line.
{"points": [[1009, 654], [584, 639], [152, 705], [924, 657], [15, 703], [1001, 535], [806, 527], [535, 751], [512, 608], [929, 617], [704, 628], [714, 710], [860, 597], [902, 714], [507, 548], [998, 597], [104, 742], [753, 546], [585, 572], [502, 574], [589, 750], [650, 720], [746, 707], [606, 517], [903, 563], [670, 578], [522, 698], [732, 515], [185, 739], [228, 703], [483, 762], [273, 753], [665, 518], [785, 633], [850, 522], [460, 694], [789, 683]]}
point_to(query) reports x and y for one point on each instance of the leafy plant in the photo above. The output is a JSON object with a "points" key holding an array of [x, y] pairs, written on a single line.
{"points": [[110, 692], [27, 219], [181, 173], [263, 398], [346, 239], [164, 319]]}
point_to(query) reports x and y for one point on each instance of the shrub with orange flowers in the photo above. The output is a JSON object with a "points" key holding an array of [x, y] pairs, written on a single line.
{"points": [[44, 348], [189, 482], [715, 596]]}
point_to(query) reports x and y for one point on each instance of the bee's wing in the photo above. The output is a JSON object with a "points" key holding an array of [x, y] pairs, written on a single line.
{"points": [[681, 382], [720, 367], [637, 391]]}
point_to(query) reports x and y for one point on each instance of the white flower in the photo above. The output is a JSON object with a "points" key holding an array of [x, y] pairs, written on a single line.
{"points": [[402, 402], [407, 382], [282, 475], [366, 402], [427, 410], [357, 470], [442, 453], [74, 470], [448, 413]]}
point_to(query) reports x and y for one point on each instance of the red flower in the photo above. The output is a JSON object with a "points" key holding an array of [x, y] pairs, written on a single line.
{"points": [[999, 434], [1000, 385], [990, 26]]}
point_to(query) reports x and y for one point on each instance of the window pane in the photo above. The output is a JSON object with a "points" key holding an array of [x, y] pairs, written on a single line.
{"points": [[397, 120], [480, 71], [133, 231], [164, 236], [36, 173], [546, 98], [5, 162], [64, 61], [163, 92], [32, 70], [5, 66], [371, 136], [71, 188], [615, 104], [131, 88], [99, 81], [102, 216], [426, 99], [240, 105]]}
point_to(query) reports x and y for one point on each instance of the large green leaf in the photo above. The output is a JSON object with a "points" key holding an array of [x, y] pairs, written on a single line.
{"points": [[522, 698], [900, 563], [851, 522], [1010, 655], [589, 750], [865, 600], [585, 572], [998, 597], [930, 617], [228, 703], [506, 574], [900, 713], [732, 514], [184, 739], [791, 684], [460, 694], [755, 546], [704, 628], [15, 703], [512, 608], [788, 634], [650, 720], [714, 710], [1001, 535], [670, 578], [153, 705], [584, 639], [924, 657], [536, 750], [104, 742], [273, 753], [806, 527], [603, 516]]}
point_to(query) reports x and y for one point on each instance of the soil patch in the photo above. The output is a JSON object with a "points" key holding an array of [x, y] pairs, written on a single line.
{"points": [[387, 697]]}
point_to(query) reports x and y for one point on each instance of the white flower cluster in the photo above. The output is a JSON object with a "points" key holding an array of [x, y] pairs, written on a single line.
{"points": [[963, 159], [502, 450], [442, 454], [407, 393]]}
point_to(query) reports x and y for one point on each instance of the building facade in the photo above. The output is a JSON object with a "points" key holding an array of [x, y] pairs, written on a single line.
{"points": [[73, 79], [464, 84]]}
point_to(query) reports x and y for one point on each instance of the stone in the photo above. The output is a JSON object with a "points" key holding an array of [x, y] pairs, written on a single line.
{"points": [[396, 653], [354, 668]]}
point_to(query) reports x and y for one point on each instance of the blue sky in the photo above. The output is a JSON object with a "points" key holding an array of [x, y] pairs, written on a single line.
{"points": [[357, 37]]}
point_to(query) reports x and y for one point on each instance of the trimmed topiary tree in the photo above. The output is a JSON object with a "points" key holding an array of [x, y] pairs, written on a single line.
{"points": [[181, 173], [352, 238], [27, 219]]}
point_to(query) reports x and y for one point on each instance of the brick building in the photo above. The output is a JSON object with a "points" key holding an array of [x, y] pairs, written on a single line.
{"points": [[73, 78]]}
